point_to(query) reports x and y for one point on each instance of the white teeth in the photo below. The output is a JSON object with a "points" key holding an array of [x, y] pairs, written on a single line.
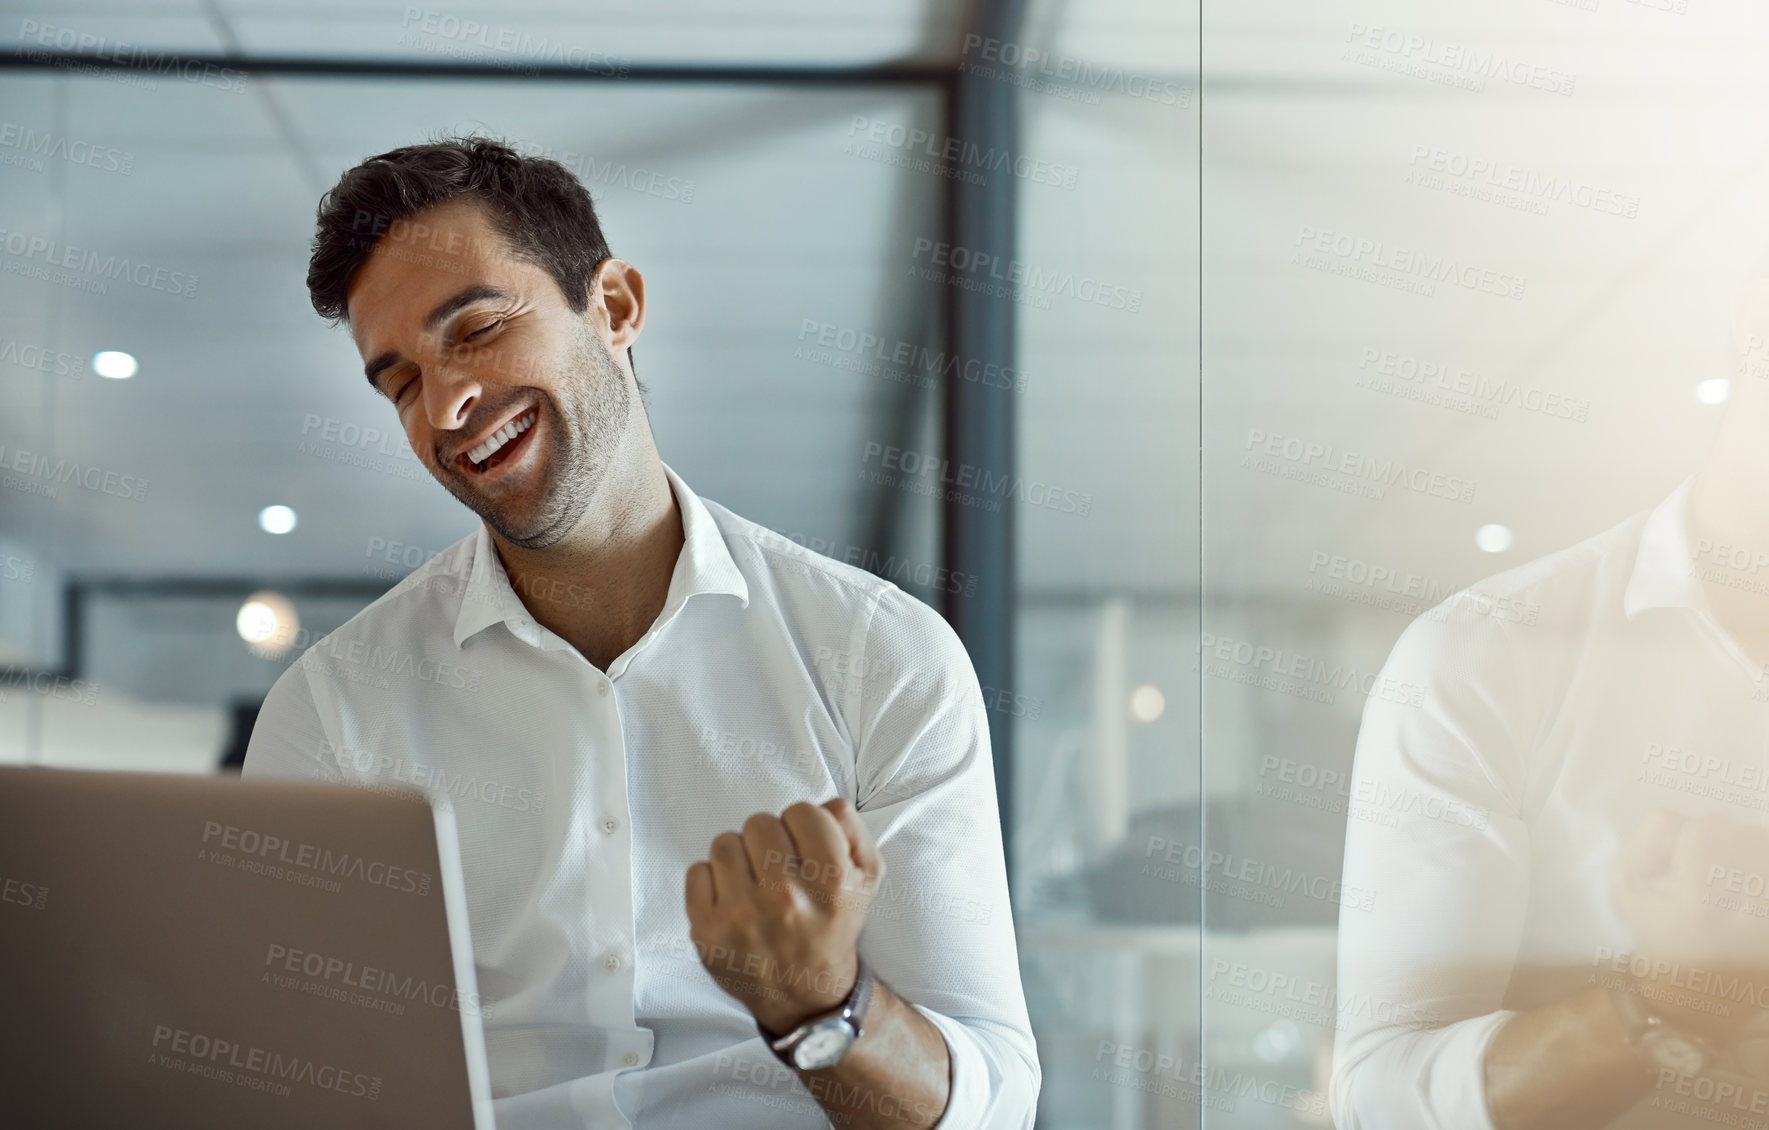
{"points": [[500, 437]]}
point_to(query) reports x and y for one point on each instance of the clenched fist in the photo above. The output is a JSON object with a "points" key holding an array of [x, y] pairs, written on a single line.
{"points": [[1691, 889], [775, 913]]}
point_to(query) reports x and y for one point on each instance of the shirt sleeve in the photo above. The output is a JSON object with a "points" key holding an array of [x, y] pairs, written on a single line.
{"points": [[289, 741], [1437, 838], [939, 929]]}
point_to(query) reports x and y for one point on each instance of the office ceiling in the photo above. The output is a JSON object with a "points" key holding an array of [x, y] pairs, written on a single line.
{"points": [[1310, 123]]}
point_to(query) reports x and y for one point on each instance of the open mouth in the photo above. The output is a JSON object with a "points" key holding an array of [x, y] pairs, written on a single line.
{"points": [[502, 446]]}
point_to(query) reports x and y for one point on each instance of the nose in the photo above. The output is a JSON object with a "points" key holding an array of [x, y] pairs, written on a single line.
{"points": [[449, 394]]}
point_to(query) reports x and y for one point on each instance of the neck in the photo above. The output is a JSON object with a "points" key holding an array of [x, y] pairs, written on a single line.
{"points": [[1729, 534], [1729, 500], [603, 585]]}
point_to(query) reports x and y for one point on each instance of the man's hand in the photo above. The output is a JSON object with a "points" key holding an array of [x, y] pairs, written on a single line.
{"points": [[1691, 888], [776, 913]]}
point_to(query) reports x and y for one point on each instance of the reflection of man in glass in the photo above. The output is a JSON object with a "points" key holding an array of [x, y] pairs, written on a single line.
{"points": [[1594, 947]]}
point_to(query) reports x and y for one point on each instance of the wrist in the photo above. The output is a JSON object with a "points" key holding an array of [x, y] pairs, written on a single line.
{"points": [[786, 1007], [1660, 1033], [821, 1040]]}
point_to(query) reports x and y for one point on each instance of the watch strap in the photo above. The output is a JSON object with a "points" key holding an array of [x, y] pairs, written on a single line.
{"points": [[852, 1009], [1645, 1024]]}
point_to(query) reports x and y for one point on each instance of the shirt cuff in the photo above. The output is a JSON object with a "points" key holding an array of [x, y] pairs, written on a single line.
{"points": [[974, 1078], [1473, 1085], [1431, 1078]]}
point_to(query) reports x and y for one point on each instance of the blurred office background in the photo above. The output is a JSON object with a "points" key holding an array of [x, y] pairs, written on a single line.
{"points": [[1195, 215]]}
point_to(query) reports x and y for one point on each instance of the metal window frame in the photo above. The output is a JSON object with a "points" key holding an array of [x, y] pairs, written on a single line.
{"points": [[977, 425]]}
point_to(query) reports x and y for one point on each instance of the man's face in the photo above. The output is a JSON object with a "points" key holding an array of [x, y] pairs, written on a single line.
{"points": [[475, 347]]}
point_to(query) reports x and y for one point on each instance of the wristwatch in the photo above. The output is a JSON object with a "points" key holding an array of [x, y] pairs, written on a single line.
{"points": [[822, 1040], [1665, 1044]]}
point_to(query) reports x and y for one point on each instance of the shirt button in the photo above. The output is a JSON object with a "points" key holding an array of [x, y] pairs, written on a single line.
{"points": [[611, 963], [631, 1059], [602, 688], [610, 825]]}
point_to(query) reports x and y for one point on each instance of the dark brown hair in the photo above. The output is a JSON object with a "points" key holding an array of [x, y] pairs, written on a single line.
{"points": [[535, 203]]}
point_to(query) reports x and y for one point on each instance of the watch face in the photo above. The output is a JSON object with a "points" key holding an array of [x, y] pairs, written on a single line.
{"points": [[823, 1046], [1675, 1053]]}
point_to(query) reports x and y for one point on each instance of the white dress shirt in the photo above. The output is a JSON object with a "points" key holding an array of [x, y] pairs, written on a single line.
{"points": [[772, 675], [1537, 751]]}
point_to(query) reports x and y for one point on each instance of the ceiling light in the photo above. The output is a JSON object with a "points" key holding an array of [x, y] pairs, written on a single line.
{"points": [[276, 519], [1147, 703], [117, 366], [1714, 390], [1493, 538], [267, 622]]}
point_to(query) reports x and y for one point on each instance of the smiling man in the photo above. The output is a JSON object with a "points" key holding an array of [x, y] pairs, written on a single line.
{"points": [[726, 807]]}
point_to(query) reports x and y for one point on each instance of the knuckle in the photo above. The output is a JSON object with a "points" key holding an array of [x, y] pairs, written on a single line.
{"points": [[760, 822]]}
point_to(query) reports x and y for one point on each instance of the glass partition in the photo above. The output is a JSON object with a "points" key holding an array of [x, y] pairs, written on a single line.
{"points": [[1477, 298]]}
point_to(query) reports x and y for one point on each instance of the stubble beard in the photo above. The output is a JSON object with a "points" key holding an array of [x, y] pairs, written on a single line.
{"points": [[586, 421]]}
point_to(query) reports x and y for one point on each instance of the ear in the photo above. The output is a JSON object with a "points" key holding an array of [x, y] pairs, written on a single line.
{"points": [[619, 289]]}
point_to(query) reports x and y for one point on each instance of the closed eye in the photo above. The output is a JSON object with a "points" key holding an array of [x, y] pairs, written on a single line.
{"points": [[483, 330]]}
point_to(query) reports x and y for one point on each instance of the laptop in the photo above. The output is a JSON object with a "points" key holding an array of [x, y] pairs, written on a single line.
{"points": [[191, 951]]}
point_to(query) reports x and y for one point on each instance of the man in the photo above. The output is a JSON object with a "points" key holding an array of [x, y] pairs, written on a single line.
{"points": [[1575, 890], [636, 699]]}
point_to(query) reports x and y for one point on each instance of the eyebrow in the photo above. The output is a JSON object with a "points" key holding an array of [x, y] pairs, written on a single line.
{"points": [[477, 293]]}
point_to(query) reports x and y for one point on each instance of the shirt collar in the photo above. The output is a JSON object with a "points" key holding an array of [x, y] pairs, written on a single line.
{"points": [[705, 565], [1664, 569]]}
